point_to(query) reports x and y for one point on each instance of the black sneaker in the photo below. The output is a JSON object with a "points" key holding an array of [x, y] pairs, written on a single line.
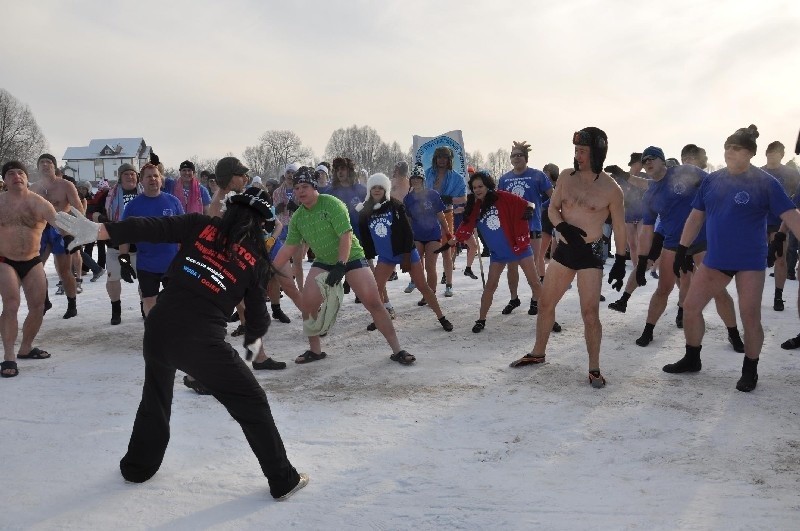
{"points": [[685, 364], [534, 308], [556, 326], [749, 377], [619, 306], [372, 327], [422, 302], [444, 279], [645, 340], [777, 305], [513, 303], [468, 273], [737, 343], [278, 314], [480, 324], [269, 364], [447, 325]]}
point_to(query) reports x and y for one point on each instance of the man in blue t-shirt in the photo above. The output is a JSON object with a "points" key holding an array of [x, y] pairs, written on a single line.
{"points": [[734, 203], [531, 185], [789, 179], [153, 259], [669, 197]]}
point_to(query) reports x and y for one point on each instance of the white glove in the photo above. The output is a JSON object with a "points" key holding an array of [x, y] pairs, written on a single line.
{"points": [[77, 225]]}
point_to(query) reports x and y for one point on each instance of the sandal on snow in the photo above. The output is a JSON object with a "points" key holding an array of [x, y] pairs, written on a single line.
{"points": [[35, 354], [309, 356], [527, 359], [403, 358], [9, 366], [791, 344]]}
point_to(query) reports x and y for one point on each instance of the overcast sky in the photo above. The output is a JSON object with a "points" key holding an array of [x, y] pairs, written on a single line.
{"points": [[205, 78]]}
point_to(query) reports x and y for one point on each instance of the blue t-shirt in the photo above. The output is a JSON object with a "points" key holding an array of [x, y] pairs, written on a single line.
{"points": [[452, 184], [422, 209], [350, 196], [736, 208], [496, 240], [380, 227], [530, 185], [154, 257], [671, 200]]}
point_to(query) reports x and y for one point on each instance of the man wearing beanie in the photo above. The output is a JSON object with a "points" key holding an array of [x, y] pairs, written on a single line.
{"points": [[194, 197], [61, 194], [734, 203], [23, 218], [789, 179], [669, 198], [324, 223], [584, 198]]}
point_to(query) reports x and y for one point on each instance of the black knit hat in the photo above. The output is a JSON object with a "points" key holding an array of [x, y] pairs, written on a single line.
{"points": [[745, 137], [46, 156], [255, 198], [305, 175], [14, 165]]}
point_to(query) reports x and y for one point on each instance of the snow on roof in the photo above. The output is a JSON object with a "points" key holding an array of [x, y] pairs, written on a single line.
{"points": [[118, 148]]}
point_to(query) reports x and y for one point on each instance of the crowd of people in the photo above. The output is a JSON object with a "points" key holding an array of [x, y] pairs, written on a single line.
{"points": [[212, 244]]}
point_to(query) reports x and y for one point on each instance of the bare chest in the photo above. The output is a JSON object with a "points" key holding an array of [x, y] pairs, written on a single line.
{"points": [[18, 214], [588, 198], [55, 193]]}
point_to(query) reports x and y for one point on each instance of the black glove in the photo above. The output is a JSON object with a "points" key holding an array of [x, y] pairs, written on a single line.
{"points": [[574, 235], [126, 270], [641, 269], [336, 274], [443, 248], [616, 171], [281, 208], [616, 277], [683, 262], [775, 248], [291, 206], [68, 239], [655, 247], [528, 214], [447, 199]]}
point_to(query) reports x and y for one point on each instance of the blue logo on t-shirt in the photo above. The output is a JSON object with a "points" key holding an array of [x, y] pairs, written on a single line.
{"points": [[679, 188], [742, 198]]}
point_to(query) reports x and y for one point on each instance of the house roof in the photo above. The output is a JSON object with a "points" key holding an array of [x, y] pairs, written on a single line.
{"points": [[118, 148]]}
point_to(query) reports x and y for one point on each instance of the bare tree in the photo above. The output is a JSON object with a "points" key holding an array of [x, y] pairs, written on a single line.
{"points": [[276, 149], [476, 160], [20, 136], [362, 144], [498, 162]]}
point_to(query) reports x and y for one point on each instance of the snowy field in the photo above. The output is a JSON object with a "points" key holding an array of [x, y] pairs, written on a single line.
{"points": [[457, 441]]}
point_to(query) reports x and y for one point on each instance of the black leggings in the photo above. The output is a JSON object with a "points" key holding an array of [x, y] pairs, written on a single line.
{"points": [[205, 355]]}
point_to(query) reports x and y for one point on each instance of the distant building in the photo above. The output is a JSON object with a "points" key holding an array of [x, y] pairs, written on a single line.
{"points": [[102, 157]]}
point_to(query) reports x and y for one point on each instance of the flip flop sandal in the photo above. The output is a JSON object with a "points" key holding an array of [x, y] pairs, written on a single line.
{"points": [[403, 358], [9, 366], [527, 359], [308, 357], [35, 354]]}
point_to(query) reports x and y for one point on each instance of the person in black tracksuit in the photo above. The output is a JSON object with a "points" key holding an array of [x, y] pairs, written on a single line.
{"points": [[186, 330]]}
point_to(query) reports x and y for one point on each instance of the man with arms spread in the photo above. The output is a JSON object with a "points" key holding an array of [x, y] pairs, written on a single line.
{"points": [[61, 194], [582, 201], [23, 217], [734, 203]]}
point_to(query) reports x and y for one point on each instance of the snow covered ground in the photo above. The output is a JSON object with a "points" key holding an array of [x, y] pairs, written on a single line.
{"points": [[458, 440]]}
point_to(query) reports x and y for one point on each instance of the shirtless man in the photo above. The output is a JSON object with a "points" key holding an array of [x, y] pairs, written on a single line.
{"points": [[583, 199], [61, 194], [23, 217], [401, 183]]}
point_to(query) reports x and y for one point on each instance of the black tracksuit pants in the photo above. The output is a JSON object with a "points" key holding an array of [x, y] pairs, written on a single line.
{"points": [[197, 346]]}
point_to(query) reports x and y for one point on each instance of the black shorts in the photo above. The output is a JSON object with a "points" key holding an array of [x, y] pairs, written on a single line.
{"points": [[22, 268], [426, 242], [150, 283], [577, 257], [693, 249], [358, 263], [547, 225]]}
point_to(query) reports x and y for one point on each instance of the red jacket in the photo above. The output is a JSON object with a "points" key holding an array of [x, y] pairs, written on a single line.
{"points": [[510, 209]]}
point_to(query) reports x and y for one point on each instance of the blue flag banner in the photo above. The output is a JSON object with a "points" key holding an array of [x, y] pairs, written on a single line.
{"points": [[424, 146]]}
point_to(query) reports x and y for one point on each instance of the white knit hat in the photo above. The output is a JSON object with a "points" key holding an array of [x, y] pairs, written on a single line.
{"points": [[378, 179], [293, 167]]}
